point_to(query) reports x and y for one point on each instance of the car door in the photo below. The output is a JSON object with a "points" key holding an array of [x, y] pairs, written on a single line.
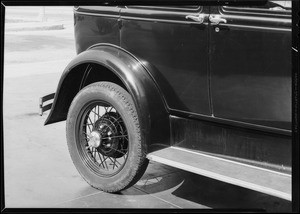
{"points": [[173, 41], [250, 63]]}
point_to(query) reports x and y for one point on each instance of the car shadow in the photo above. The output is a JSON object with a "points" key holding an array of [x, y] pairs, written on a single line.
{"points": [[220, 195], [178, 186]]}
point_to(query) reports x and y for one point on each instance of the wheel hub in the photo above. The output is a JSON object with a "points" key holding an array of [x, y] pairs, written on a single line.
{"points": [[94, 139], [107, 130]]}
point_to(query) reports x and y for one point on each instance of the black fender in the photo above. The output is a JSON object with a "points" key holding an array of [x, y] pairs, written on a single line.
{"points": [[134, 76]]}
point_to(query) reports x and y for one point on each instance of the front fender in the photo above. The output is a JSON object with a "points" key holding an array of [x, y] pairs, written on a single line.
{"points": [[135, 76]]}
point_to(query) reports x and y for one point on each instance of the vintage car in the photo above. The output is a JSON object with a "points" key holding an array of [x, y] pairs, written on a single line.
{"points": [[204, 88]]}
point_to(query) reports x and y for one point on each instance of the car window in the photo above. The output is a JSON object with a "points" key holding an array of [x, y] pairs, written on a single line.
{"points": [[174, 8], [279, 5], [272, 7]]}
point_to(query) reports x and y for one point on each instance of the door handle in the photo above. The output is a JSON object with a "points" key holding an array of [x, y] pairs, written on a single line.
{"points": [[199, 18], [216, 19]]}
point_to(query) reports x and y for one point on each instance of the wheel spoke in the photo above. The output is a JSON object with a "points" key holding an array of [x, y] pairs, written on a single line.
{"points": [[111, 108], [120, 136], [87, 135], [105, 108], [95, 113], [113, 162], [83, 137], [88, 125], [94, 116], [89, 128], [100, 160], [117, 150], [88, 147], [94, 153], [104, 161], [117, 120], [117, 162], [90, 120]]}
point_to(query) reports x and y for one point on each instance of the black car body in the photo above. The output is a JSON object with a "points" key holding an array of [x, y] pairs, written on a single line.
{"points": [[211, 85]]}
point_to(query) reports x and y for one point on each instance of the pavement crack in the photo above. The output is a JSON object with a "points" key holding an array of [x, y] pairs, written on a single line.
{"points": [[100, 192], [152, 195]]}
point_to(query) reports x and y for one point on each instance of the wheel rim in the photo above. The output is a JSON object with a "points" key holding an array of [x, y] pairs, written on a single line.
{"points": [[102, 139]]}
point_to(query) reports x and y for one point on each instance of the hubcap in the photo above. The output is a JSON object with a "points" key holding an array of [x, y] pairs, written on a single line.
{"points": [[94, 139]]}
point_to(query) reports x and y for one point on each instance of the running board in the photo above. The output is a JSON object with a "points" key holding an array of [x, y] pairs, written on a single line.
{"points": [[247, 176]]}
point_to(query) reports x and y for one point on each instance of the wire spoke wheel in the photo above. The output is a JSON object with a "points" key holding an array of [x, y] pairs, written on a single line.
{"points": [[104, 137]]}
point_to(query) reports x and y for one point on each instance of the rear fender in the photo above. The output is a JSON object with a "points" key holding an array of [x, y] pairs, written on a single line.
{"points": [[134, 76]]}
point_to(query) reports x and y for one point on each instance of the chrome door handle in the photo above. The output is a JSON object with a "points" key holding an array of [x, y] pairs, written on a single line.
{"points": [[199, 18], [216, 19]]}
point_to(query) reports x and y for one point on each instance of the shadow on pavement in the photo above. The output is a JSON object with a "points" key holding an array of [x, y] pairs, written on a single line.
{"points": [[197, 189], [219, 195]]}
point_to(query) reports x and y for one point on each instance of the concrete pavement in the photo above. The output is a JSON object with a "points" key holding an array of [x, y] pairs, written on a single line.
{"points": [[28, 26], [24, 18], [29, 69]]}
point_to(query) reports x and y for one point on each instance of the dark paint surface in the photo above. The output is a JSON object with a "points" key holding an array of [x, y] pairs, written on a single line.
{"points": [[248, 61], [91, 28], [178, 50], [153, 115], [254, 148], [240, 73], [251, 69]]}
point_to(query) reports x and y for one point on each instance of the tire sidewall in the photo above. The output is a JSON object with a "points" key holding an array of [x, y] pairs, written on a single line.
{"points": [[122, 102]]}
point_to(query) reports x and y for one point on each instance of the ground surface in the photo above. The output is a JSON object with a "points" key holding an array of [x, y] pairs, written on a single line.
{"points": [[38, 169]]}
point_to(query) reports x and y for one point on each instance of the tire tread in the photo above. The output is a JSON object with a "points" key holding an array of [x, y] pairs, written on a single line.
{"points": [[141, 162]]}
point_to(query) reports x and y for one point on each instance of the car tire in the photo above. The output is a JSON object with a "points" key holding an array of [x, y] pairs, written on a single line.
{"points": [[104, 137]]}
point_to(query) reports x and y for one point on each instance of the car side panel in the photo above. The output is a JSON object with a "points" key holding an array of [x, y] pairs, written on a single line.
{"points": [[97, 24], [251, 67], [176, 47]]}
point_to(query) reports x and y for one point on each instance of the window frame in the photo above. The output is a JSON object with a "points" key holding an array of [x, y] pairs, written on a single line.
{"points": [[178, 8], [252, 11]]}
